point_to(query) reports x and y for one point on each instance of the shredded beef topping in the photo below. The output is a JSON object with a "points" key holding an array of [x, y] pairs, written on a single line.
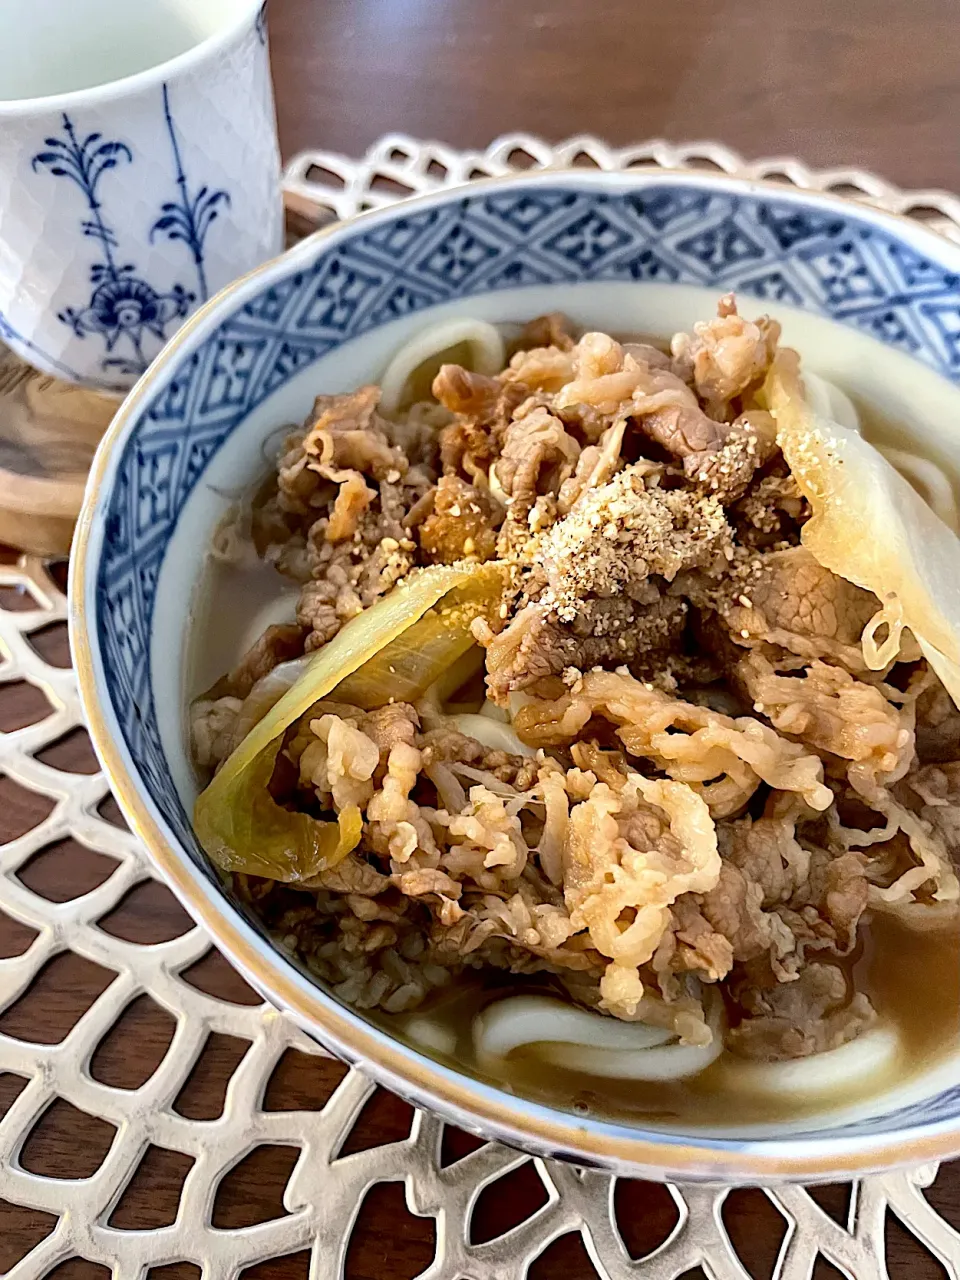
{"points": [[461, 525], [683, 773], [727, 355], [622, 534], [792, 1020]]}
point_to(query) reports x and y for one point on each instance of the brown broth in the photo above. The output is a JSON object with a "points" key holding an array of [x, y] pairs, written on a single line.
{"points": [[912, 979], [228, 601]]}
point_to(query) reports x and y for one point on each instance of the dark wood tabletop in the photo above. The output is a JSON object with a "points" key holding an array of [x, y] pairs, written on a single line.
{"points": [[870, 83]]}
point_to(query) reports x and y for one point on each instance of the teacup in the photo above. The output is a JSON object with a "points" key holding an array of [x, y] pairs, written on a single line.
{"points": [[139, 174]]}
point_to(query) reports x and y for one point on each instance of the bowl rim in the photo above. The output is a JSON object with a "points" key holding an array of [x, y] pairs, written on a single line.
{"points": [[452, 1095]]}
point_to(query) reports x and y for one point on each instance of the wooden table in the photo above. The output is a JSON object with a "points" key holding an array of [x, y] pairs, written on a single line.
{"points": [[874, 83]]}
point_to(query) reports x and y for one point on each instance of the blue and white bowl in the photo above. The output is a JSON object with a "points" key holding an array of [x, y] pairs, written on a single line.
{"points": [[871, 299]]}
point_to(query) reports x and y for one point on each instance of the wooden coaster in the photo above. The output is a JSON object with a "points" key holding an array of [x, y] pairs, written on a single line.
{"points": [[49, 432]]}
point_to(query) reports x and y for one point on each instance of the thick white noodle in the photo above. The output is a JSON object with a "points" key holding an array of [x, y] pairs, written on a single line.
{"points": [[485, 342], [822, 1073], [521, 1020], [428, 1033], [578, 1040], [664, 1062]]}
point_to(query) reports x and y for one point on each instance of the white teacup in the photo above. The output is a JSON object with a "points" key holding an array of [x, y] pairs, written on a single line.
{"points": [[139, 174]]}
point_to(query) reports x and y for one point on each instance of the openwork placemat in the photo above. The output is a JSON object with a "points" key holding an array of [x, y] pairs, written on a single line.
{"points": [[327, 1187]]}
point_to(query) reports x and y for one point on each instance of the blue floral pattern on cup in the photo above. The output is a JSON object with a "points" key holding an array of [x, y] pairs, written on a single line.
{"points": [[167, 181], [841, 264], [188, 218], [123, 308]]}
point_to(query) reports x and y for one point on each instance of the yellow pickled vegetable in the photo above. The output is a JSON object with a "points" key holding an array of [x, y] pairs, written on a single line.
{"points": [[392, 651]]}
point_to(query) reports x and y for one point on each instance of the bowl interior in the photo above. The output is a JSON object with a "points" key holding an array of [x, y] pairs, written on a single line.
{"points": [[871, 302]]}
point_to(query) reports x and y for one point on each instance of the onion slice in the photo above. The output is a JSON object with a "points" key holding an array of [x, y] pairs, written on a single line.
{"points": [[828, 401], [869, 525], [395, 650]]}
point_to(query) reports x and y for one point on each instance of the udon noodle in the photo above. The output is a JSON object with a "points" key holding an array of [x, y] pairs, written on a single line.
{"points": [[604, 733]]}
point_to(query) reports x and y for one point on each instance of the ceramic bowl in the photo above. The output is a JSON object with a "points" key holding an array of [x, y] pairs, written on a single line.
{"points": [[872, 300]]}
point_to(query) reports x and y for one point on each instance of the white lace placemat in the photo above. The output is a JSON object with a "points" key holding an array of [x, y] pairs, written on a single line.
{"points": [[325, 1188]]}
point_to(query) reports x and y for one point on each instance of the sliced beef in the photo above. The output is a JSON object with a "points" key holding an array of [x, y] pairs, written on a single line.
{"points": [[813, 1014], [607, 632]]}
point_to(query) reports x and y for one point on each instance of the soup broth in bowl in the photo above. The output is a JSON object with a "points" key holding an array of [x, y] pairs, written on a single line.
{"points": [[581, 777]]}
